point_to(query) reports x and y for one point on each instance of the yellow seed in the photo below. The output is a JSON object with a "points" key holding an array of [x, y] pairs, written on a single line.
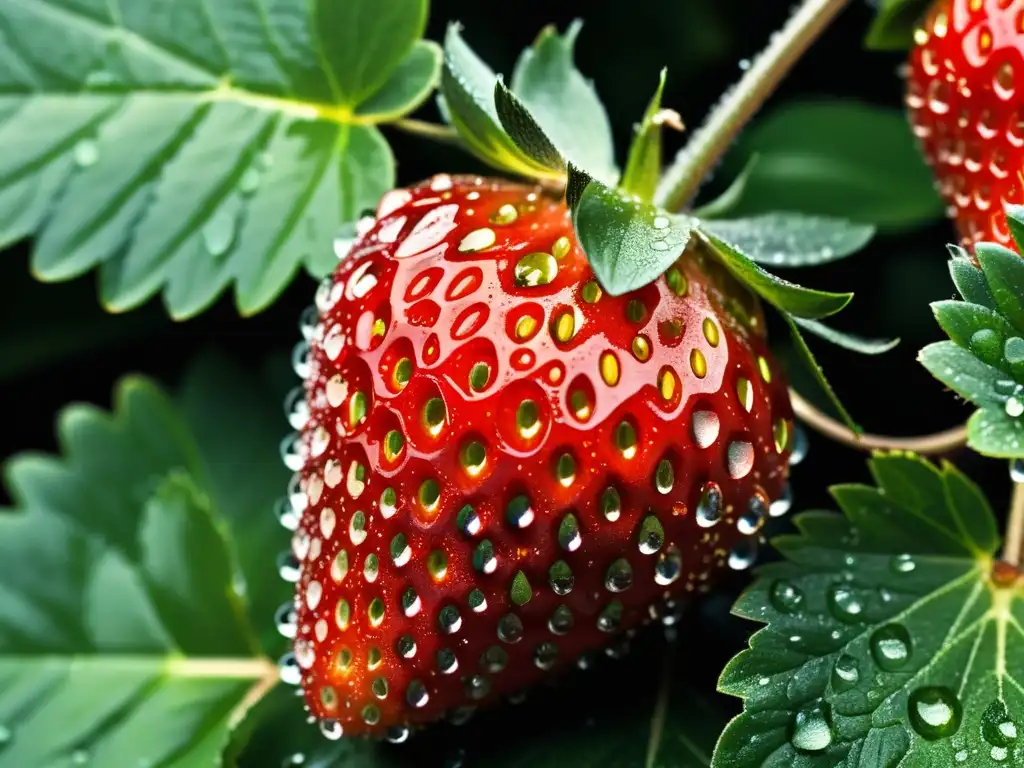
{"points": [[676, 281], [580, 404], [941, 25], [641, 348], [525, 327], [710, 331], [375, 613], [528, 419], [477, 240], [394, 442], [434, 415], [698, 364], [478, 376], [591, 292], [781, 432], [402, 373], [374, 657], [565, 470], [344, 659], [745, 393], [555, 374], [560, 247], [535, 269], [356, 409], [430, 495], [921, 36], [342, 615], [625, 438], [636, 311], [473, 457], [565, 327], [506, 214], [667, 383], [378, 328], [437, 565], [766, 371], [609, 369]]}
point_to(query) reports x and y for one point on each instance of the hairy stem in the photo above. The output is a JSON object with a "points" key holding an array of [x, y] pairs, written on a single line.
{"points": [[938, 443], [1013, 548], [707, 145], [435, 131]]}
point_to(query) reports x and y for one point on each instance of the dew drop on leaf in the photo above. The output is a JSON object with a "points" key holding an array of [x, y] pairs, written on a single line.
{"points": [[902, 564], [1013, 350], [935, 712], [786, 597], [996, 726], [86, 152], [219, 231], [844, 604], [1014, 407], [891, 647], [845, 673], [812, 728], [985, 345]]}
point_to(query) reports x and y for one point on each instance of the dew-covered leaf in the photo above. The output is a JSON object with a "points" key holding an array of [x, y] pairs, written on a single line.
{"points": [[806, 357], [187, 147], [984, 361], [845, 340], [836, 158], [124, 638], [564, 103], [792, 239], [467, 86], [643, 167], [892, 637], [524, 130], [781, 294], [628, 243]]}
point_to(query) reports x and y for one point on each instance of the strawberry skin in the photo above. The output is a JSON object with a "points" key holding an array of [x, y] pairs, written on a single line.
{"points": [[964, 94], [500, 467]]}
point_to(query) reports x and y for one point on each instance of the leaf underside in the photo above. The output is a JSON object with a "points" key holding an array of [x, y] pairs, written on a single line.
{"points": [[888, 642], [185, 147]]}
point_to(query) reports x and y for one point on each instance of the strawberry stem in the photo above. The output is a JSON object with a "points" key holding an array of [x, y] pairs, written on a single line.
{"points": [[691, 166], [1013, 546], [428, 130], [934, 444]]}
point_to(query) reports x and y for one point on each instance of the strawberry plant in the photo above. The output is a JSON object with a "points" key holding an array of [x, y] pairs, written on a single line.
{"points": [[558, 362]]}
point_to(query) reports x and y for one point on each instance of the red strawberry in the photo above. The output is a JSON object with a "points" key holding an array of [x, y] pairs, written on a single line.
{"points": [[964, 93], [503, 468]]}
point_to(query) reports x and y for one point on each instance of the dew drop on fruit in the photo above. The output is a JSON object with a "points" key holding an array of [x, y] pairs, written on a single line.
{"points": [[289, 670], [799, 451], [288, 567], [753, 518], [668, 566], [286, 515], [709, 508], [782, 505], [812, 728], [1017, 470], [935, 712], [891, 647], [300, 359], [331, 729], [743, 554]]}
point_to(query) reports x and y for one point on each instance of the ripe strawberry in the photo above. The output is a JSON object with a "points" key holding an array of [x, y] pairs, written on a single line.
{"points": [[964, 88], [502, 468]]}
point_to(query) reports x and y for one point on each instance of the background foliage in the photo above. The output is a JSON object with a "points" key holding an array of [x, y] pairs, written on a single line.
{"points": [[57, 345]]}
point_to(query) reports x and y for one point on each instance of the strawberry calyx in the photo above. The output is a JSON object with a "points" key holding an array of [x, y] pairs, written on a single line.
{"points": [[895, 23], [548, 124]]}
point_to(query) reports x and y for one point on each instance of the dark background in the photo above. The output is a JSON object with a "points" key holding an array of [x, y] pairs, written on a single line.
{"points": [[57, 345]]}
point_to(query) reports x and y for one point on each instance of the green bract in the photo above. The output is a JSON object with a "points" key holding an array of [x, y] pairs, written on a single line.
{"points": [[136, 580], [891, 639], [185, 147], [893, 27], [984, 361]]}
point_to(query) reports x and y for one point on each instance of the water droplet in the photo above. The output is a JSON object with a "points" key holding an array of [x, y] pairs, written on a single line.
{"points": [[902, 564], [1014, 407], [799, 451], [845, 604], [709, 509], [250, 181], [786, 597], [284, 620], [652, 535], [812, 728], [891, 647], [331, 729], [535, 269], [569, 537], [935, 712], [619, 576], [219, 232], [1017, 470], [997, 728], [845, 673], [86, 152], [289, 669]]}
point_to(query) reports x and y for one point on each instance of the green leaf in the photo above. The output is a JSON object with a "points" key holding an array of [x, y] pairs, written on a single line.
{"points": [[523, 129], [893, 26], [628, 243], [807, 358], [362, 42], [191, 148], [792, 239], [847, 340], [467, 85], [565, 104], [122, 622], [984, 361], [415, 78], [781, 294], [643, 168], [837, 158], [890, 639]]}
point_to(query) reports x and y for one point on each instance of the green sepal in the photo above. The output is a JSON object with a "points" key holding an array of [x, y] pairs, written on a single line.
{"points": [[894, 24], [524, 130], [809, 361], [845, 340], [643, 168]]}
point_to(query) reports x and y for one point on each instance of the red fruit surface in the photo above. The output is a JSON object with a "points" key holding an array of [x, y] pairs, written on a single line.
{"points": [[965, 95], [503, 468]]}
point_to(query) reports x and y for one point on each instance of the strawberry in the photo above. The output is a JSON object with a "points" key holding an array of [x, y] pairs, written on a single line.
{"points": [[502, 468], [964, 86]]}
